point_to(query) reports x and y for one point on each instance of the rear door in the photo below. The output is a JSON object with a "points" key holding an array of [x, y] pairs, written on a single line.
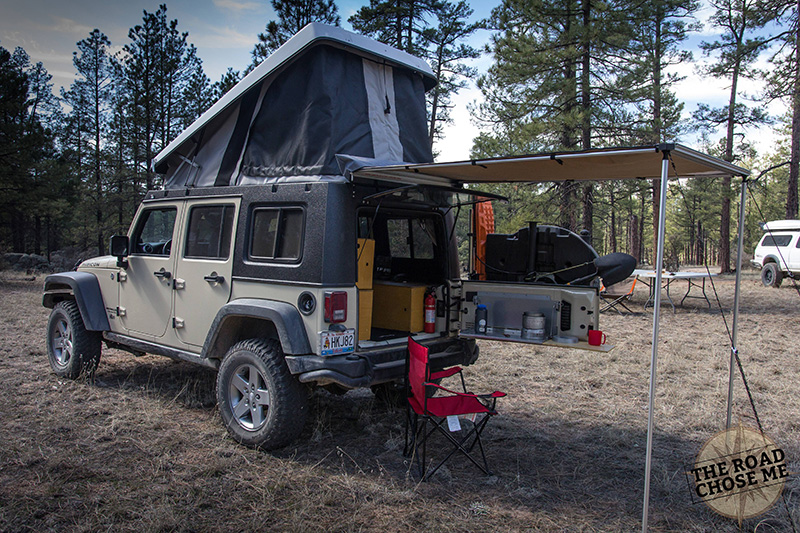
{"points": [[569, 311], [204, 266]]}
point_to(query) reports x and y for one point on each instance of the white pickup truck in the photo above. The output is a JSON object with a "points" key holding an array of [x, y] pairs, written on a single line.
{"points": [[778, 252]]}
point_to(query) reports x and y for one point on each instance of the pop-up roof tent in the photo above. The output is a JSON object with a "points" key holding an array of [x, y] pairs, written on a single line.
{"points": [[326, 91]]}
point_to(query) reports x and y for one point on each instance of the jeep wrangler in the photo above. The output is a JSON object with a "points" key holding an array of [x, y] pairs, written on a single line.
{"points": [[267, 261]]}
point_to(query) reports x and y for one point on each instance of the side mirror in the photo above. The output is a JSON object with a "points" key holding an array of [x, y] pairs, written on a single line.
{"points": [[119, 248]]}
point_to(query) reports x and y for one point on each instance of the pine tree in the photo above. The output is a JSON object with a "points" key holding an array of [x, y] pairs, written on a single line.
{"points": [[398, 23], [784, 84], [293, 16], [92, 100], [198, 96], [225, 83], [447, 54], [158, 64], [737, 47], [661, 25], [24, 146], [555, 78]]}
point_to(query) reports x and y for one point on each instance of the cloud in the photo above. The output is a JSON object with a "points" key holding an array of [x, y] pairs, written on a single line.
{"points": [[237, 6], [65, 25], [222, 37]]}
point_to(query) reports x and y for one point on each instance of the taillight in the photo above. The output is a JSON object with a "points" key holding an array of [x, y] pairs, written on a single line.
{"points": [[335, 306]]}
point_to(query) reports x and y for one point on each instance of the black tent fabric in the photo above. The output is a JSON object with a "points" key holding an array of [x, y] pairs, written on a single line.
{"points": [[323, 99]]}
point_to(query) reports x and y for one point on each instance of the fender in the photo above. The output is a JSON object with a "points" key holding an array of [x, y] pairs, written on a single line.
{"points": [[285, 317], [776, 260], [86, 290]]}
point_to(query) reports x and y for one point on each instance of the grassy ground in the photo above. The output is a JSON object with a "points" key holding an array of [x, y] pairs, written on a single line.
{"points": [[141, 447]]}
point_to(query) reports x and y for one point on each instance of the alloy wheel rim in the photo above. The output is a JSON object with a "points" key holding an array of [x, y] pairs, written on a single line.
{"points": [[62, 342], [249, 397]]}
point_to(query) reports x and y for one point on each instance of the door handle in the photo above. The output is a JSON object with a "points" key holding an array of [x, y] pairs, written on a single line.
{"points": [[162, 274], [214, 278]]}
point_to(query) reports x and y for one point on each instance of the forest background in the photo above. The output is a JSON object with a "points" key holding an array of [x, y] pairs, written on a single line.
{"points": [[550, 75]]}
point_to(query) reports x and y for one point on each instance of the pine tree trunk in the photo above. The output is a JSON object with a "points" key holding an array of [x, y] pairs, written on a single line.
{"points": [[613, 239], [567, 217], [794, 155], [37, 235], [588, 208], [635, 246]]}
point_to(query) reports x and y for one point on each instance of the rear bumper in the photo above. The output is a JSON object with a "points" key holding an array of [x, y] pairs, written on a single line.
{"points": [[367, 368]]}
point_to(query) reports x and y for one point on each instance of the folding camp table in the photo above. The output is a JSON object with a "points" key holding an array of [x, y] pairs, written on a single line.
{"points": [[694, 279]]}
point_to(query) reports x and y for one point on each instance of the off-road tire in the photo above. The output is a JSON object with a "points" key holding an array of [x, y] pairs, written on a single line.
{"points": [[71, 350], [771, 276], [268, 410]]}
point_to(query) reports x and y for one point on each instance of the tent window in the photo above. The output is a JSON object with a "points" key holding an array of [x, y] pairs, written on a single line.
{"points": [[277, 234]]}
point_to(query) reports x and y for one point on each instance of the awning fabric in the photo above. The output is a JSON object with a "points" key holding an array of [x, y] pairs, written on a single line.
{"points": [[602, 164]]}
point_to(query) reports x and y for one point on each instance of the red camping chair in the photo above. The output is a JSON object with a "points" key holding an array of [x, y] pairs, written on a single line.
{"points": [[437, 409]]}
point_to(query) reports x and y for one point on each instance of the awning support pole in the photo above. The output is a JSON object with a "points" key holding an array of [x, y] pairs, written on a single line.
{"points": [[734, 342], [656, 315]]}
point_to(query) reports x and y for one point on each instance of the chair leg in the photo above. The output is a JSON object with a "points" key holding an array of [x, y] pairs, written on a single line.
{"points": [[458, 445], [408, 423]]}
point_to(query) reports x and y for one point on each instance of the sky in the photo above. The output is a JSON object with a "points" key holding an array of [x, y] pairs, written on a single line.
{"points": [[225, 31]]}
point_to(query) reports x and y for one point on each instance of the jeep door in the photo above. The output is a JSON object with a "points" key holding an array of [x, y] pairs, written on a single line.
{"points": [[204, 266], [145, 294]]}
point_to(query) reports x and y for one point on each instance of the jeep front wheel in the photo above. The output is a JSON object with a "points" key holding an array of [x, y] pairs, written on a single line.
{"points": [[771, 276], [261, 403], [71, 349]]}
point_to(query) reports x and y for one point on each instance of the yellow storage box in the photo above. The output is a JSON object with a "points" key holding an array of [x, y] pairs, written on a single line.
{"points": [[398, 306]]}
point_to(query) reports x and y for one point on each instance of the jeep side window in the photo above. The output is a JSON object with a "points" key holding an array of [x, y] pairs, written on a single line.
{"points": [[153, 235], [277, 233], [209, 234]]}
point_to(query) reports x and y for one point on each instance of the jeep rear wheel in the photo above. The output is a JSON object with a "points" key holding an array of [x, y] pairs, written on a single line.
{"points": [[771, 276], [261, 403], [71, 349]]}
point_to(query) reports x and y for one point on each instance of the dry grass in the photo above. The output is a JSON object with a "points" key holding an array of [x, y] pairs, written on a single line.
{"points": [[141, 448]]}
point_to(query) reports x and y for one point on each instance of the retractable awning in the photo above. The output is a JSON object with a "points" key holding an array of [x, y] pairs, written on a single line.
{"points": [[603, 164], [661, 161]]}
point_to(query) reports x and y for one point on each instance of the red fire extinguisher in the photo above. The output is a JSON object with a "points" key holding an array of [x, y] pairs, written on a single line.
{"points": [[430, 312]]}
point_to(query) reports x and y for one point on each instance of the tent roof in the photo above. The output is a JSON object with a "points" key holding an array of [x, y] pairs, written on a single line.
{"points": [[601, 164], [314, 34]]}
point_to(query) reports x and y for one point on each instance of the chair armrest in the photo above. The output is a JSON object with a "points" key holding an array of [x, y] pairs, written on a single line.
{"points": [[446, 373], [495, 394]]}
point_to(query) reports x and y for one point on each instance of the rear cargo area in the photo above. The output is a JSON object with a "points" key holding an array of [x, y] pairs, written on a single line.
{"points": [[401, 257]]}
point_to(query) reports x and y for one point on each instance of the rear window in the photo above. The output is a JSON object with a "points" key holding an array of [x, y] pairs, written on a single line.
{"points": [[277, 234], [776, 240]]}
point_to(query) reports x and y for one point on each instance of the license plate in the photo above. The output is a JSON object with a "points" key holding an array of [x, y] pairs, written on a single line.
{"points": [[337, 342]]}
